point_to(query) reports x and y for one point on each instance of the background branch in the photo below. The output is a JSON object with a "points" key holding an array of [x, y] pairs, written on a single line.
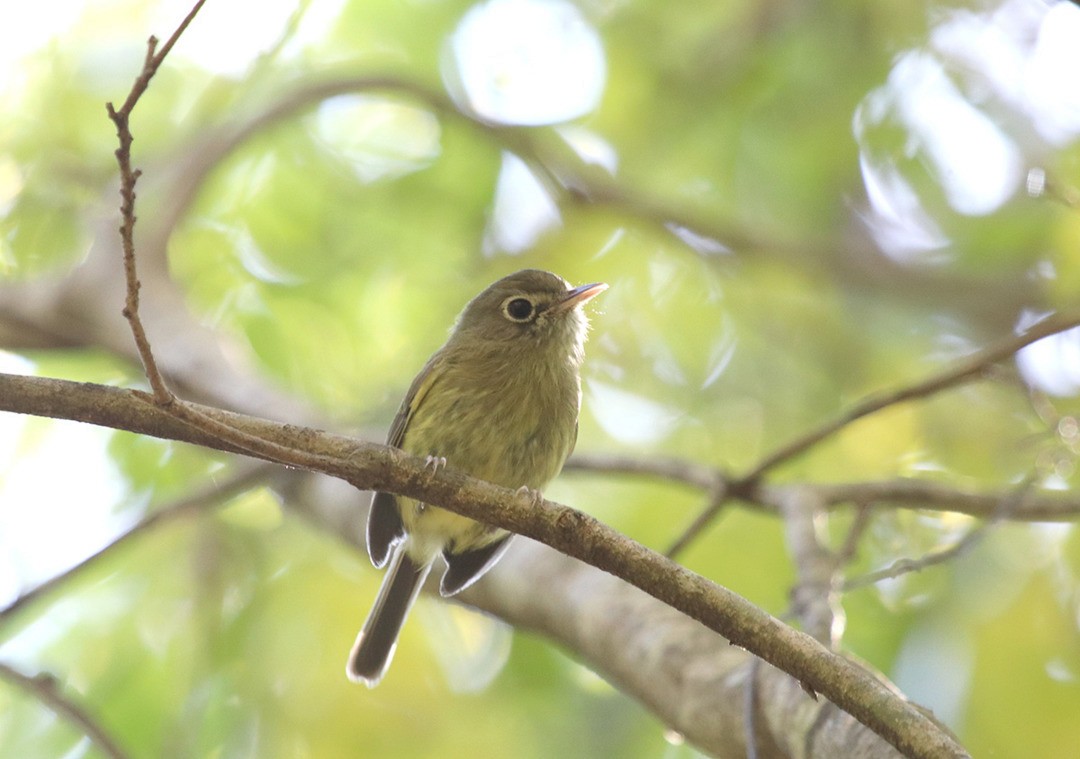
{"points": [[44, 688], [247, 475], [1034, 506], [964, 370], [666, 662], [813, 599], [942, 555]]}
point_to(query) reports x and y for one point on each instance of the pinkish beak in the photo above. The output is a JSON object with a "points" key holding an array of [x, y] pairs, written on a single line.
{"points": [[579, 295]]}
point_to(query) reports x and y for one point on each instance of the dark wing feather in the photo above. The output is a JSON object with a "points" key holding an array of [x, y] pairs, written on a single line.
{"points": [[465, 568], [384, 528]]}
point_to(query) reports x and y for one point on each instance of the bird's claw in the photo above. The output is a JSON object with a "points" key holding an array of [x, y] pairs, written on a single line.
{"points": [[535, 496], [432, 464]]}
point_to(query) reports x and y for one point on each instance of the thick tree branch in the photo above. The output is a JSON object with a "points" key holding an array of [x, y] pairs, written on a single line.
{"points": [[692, 681], [377, 467], [695, 680]]}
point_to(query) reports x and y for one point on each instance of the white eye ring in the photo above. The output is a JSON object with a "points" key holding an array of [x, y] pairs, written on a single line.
{"points": [[519, 309]]}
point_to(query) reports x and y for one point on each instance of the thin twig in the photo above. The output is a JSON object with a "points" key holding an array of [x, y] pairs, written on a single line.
{"points": [[282, 453], [718, 498], [964, 370], [44, 688], [863, 518], [217, 493], [128, 178], [153, 61], [940, 556], [162, 395]]}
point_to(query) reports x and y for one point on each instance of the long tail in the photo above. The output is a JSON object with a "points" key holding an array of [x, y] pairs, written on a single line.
{"points": [[374, 647]]}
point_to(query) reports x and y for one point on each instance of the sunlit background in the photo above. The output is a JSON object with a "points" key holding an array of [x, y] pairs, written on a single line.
{"points": [[803, 205]]}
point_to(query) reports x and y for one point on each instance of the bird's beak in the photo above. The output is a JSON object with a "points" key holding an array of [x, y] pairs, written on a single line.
{"points": [[578, 295]]}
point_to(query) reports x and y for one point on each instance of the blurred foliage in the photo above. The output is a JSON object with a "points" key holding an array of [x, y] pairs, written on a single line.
{"points": [[338, 241]]}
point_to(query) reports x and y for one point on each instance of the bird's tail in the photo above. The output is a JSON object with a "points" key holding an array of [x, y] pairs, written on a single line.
{"points": [[374, 647]]}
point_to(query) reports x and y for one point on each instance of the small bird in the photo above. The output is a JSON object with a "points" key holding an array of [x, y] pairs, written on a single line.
{"points": [[498, 401]]}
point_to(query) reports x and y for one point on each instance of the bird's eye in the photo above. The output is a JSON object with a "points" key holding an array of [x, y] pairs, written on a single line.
{"points": [[518, 309]]}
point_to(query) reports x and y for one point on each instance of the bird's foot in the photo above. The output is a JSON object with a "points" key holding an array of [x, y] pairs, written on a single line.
{"points": [[535, 496], [434, 464]]}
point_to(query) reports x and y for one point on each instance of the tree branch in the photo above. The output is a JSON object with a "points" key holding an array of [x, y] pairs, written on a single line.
{"points": [[44, 688], [920, 494], [247, 476], [970, 368], [1046, 506], [694, 680], [377, 467], [942, 555], [814, 601], [964, 370], [128, 178]]}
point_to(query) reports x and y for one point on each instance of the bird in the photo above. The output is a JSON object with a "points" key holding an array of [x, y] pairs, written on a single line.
{"points": [[498, 401]]}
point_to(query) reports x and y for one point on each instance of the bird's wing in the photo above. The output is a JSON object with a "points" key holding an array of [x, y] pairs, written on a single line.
{"points": [[384, 527], [465, 568], [418, 390]]}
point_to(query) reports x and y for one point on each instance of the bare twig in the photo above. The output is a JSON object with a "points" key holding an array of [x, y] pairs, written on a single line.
{"points": [[940, 556], [162, 395], [128, 178], [718, 497], [964, 370], [282, 451], [248, 475], [863, 517], [44, 688]]}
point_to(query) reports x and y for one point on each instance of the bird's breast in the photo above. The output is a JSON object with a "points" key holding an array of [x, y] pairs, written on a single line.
{"points": [[512, 425]]}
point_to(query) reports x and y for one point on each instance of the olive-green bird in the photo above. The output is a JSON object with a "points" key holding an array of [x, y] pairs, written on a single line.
{"points": [[498, 401]]}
